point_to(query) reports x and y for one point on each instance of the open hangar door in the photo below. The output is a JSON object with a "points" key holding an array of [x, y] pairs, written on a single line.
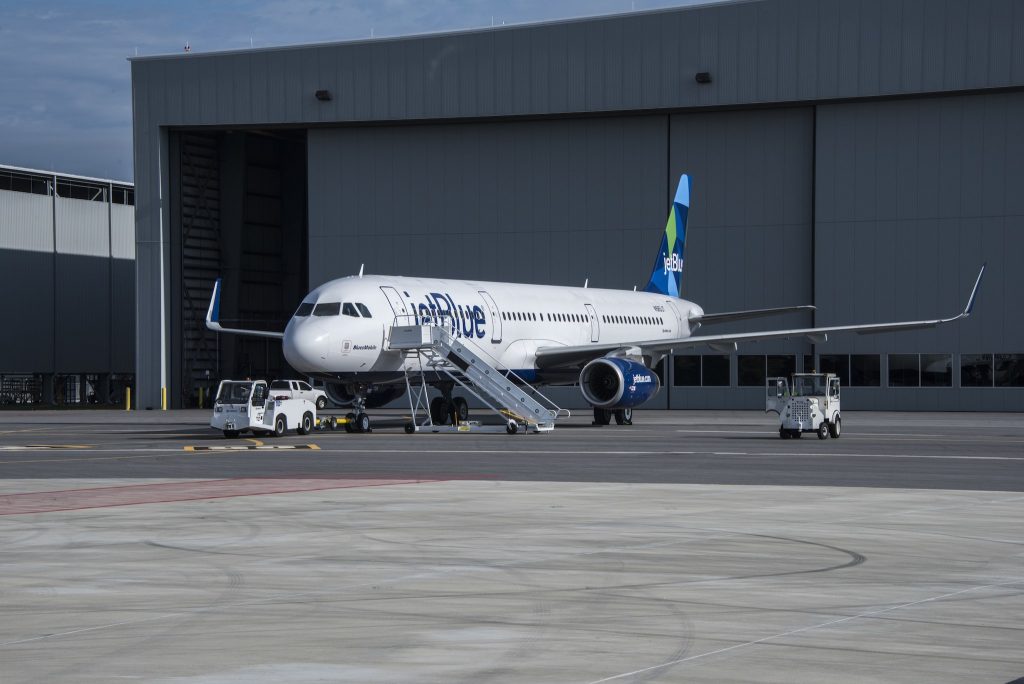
{"points": [[238, 212]]}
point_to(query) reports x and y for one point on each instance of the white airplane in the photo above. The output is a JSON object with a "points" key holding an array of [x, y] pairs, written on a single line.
{"points": [[606, 341]]}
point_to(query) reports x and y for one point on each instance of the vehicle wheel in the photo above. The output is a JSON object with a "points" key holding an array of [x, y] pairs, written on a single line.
{"points": [[823, 430], [306, 424], [439, 411], [784, 433], [231, 434], [624, 416], [350, 422], [512, 427], [280, 426], [602, 416], [362, 423], [461, 409], [321, 403], [410, 428], [797, 434], [330, 423], [835, 428]]}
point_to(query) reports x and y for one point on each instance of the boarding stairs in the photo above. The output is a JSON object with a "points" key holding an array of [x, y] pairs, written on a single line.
{"points": [[430, 348]]}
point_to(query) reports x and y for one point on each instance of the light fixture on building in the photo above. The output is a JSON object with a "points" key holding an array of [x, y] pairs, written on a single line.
{"points": [[703, 77], [323, 95]]}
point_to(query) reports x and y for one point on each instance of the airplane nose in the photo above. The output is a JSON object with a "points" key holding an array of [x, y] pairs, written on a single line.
{"points": [[306, 347]]}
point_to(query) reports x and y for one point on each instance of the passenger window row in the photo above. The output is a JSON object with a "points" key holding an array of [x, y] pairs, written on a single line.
{"points": [[634, 320], [557, 317]]}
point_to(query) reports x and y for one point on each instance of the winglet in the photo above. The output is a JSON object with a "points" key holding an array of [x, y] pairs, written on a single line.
{"points": [[213, 313], [974, 292]]}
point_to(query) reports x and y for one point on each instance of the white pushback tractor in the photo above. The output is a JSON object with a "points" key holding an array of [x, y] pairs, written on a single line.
{"points": [[810, 404], [243, 405]]}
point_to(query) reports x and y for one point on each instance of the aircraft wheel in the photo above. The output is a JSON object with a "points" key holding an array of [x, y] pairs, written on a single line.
{"points": [[823, 430], [305, 425], [512, 427], [835, 428], [624, 416], [461, 409], [231, 434], [784, 433], [350, 422], [410, 428], [321, 403], [439, 411], [797, 434], [280, 426], [602, 416], [362, 423]]}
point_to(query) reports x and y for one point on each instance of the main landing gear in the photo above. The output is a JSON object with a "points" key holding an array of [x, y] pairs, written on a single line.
{"points": [[448, 410], [603, 416]]}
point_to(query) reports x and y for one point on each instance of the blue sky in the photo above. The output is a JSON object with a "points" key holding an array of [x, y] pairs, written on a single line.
{"points": [[65, 87]]}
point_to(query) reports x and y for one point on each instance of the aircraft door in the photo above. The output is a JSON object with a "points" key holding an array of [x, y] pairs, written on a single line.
{"points": [[776, 395], [402, 314], [495, 315], [595, 326], [681, 325]]}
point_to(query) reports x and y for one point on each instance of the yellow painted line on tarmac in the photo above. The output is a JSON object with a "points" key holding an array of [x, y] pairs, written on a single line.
{"points": [[254, 441]]}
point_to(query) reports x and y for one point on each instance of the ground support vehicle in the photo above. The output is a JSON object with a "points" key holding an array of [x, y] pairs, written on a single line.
{"points": [[810, 404], [246, 405]]}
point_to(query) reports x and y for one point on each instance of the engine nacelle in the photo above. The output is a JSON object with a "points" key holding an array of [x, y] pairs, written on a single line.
{"points": [[611, 382], [376, 395]]}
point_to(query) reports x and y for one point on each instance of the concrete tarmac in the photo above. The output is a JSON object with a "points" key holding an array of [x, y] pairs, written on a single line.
{"points": [[692, 546]]}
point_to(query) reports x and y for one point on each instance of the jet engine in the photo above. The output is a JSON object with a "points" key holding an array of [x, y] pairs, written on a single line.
{"points": [[613, 382], [376, 395]]}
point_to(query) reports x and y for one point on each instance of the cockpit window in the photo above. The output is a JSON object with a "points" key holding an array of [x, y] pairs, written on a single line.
{"points": [[305, 308], [349, 310], [328, 309], [363, 310]]}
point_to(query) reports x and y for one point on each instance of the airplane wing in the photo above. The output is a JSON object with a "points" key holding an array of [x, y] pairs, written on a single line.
{"points": [[213, 319], [708, 319], [555, 357]]}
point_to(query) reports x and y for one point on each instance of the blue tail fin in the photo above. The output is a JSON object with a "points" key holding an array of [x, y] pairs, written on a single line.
{"points": [[667, 276]]}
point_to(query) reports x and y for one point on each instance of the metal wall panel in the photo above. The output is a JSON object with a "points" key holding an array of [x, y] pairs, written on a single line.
{"points": [[82, 314], [30, 275], [83, 227], [26, 221], [749, 233], [122, 231], [912, 197]]}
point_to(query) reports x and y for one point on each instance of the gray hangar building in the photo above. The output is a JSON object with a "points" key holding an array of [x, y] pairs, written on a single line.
{"points": [[864, 156]]}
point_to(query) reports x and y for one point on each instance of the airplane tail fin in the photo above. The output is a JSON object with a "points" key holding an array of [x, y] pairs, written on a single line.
{"points": [[667, 275]]}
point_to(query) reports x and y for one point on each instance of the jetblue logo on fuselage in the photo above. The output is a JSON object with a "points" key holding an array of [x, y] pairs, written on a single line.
{"points": [[673, 263], [439, 308]]}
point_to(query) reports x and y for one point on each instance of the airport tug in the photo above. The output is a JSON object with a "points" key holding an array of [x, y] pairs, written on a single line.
{"points": [[810, 404], [247, 405]]}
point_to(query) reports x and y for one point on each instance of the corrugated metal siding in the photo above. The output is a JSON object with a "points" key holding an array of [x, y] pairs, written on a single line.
{"points": [[122, 231], [912, 197], [83, 227], [26, 221], [770, 51]]}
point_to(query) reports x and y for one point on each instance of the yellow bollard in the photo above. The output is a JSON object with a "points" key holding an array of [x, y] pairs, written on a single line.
{"points": [[127, 398], [200, 397], [163, 398]]}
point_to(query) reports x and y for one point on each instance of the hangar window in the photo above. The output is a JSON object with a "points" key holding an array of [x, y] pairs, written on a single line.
{"points": [[686, 371], [976, 370], [349, 309], [936, 370], [835, 363], [750, 370], [328, 309], [1009, 370], [305, 308], [363, 310], [904, 370], [714, 370], [865, 370]]}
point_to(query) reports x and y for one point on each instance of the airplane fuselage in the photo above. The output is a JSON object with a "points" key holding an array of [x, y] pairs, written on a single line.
{"points": [[332, 337]]}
